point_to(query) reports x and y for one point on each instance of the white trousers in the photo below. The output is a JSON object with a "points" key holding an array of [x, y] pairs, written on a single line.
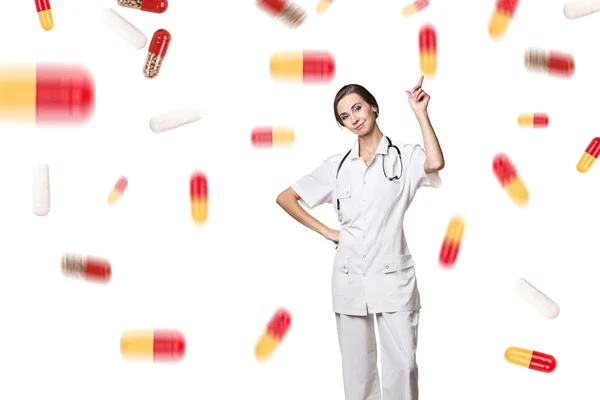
{"points": [[398, 346]]}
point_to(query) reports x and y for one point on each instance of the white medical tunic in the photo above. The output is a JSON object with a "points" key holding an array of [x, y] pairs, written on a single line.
{"points": [[373, 269]]}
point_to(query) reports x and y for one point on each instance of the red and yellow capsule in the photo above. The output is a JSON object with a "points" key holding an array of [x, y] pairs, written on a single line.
{"points": [[44, 12], [199, 197], [153, 345], [533, 120], [414, 7], [118, 190], [303, 66], [323, 6], [272, 136], [589, 156], [501, 17], [428, 50], [452, 242], [530, 359], [278, 327], [46, 94], [510, 180]]}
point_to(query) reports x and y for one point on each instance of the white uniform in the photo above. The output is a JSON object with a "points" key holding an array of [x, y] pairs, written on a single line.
{"points": [[373, 271]]}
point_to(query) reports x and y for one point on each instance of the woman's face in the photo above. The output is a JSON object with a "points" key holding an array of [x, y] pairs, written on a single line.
{"points": [[356, 114]]}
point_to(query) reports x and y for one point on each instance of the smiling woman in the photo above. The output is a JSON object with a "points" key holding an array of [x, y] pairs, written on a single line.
{"points": [[371, 187]]}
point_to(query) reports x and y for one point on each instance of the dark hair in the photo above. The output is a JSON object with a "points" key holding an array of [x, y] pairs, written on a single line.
{"points": [[356, 89]]}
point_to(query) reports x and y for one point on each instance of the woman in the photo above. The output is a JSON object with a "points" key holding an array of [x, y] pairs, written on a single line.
{"points": [[371, 187]]}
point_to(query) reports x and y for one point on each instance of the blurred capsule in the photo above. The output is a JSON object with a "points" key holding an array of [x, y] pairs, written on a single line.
{"points": [[156, 53], [118, 190], [510, 180], [530, 359], [428, 50], [175, 118], [44, 14], [501, 16], [589, 156], [153, 6], [287, 11], [46, 93], [88, 268], [153, 345], [549, 62], [199, 197], [533, 120], [415, 7], [537, 299], [272, 136], [41, 190], [302, 66], [124, 29], [581, 8], [275, 332], [452, 242]]}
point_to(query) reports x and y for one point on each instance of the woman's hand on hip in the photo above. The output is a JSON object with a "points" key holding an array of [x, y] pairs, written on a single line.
{"points": [[332, 234]]}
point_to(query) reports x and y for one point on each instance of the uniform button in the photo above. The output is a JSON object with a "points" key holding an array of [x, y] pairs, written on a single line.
{"points": [[386, 267], [365, 182], [347, 192], [345, 267], [364, 237], [364, 256], [364, 201], [364, 274]]}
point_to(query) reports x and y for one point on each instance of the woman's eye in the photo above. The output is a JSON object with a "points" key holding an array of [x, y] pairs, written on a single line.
{"points": [[357, 108]]}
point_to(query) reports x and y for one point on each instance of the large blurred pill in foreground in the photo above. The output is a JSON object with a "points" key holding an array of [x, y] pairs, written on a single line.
{"points": [[323, 6], [510, 180], [44, 14], [589, 156], [278, 327], [175, 118], [124, 29], [46, 94], [537, 299], [501, 16], [199, 197], [452, 242], [581, 8], [428, 50], [88, 268], [272, 136], [153, 345], [533, 120], [303, 66], [41, 190], [157, 50], [530, 359], [117, 190], [414, 7], [550, 62], [289, 13], [153, 6]]}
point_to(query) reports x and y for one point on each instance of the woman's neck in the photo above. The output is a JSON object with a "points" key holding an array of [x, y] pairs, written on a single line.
{"points": [[370, 141]]}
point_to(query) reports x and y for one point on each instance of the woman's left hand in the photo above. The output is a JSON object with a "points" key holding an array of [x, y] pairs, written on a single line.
{"points": [[417, 98]]}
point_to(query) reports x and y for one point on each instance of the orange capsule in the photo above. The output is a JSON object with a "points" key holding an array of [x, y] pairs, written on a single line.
{"points": [[589, 156], [530, 359], [501, 17], [118, 190], [323, 6], [533, 120], [272, 136], [414, 7], [269, 341], [199, 197], [428, 50], [510, 180], [452, 242]]}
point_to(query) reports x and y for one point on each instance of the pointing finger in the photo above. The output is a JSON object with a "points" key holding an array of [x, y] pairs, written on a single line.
{"points": [[421, 81]]}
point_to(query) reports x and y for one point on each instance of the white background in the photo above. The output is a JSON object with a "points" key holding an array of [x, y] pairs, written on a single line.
{"points": [[221, 283]]}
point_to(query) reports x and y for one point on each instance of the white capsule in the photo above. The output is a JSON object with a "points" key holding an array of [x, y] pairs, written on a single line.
{"points": [[537, 299], [175, 118], [41, 190], [124, 29], [580, 8]]}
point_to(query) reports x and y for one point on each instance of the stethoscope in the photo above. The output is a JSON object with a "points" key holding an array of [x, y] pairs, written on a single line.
{"points": [[393, 178]]}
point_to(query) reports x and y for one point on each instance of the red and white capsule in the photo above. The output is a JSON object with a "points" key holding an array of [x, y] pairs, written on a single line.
{"points": [[285, 10], [88, 268], [157, 50]]}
